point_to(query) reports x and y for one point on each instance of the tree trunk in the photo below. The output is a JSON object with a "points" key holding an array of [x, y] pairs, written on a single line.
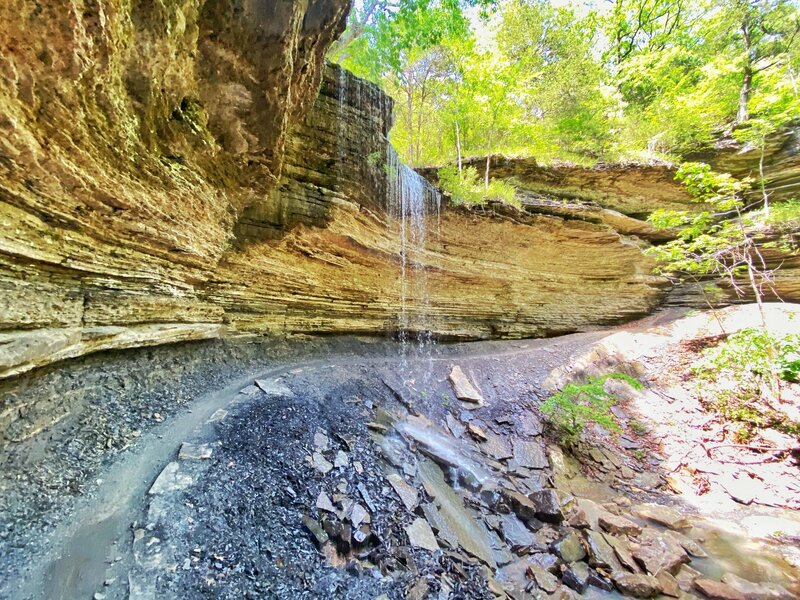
{"points": [[743, 114], [763, 183], [744, 95], [486, 177], [458, 148], [410, 112]]}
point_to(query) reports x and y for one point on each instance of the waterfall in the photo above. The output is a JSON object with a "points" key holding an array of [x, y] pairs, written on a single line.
{"points": [[411, 203]]}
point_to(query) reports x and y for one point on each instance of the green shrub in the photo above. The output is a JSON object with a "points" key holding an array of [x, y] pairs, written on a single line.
{"points": [[467, 188], [743, 376], [577, 404], [784, 214], [751, 358]]}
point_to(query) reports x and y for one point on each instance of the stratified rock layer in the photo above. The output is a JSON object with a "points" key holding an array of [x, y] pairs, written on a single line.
{"points": [[162, 179]]}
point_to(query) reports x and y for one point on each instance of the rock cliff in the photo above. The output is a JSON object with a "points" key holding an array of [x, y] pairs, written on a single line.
{"points": [[147, 201]]}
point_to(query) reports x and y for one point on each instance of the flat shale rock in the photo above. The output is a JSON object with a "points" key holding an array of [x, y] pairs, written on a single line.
{"points": [[655, 551], [274, 388], [324, 503], [528, 424], [440, 525], [408, 495], [189, 451], [617, 525], [601, 554], [622, 551], [692, 547], [170, 480], [544, 579], [636, 584], [420, 535], [530, 454], [463, 388], [497, 447], [717, 590], [320, 463], [515, 532], [663, 515], [669, 585]]}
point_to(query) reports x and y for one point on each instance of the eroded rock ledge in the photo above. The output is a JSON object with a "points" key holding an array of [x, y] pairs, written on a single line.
{"points": [[162, 180]]}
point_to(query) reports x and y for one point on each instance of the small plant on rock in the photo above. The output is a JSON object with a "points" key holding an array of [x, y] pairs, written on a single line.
{"points": [[464, 187], [748, 372], [578, 404]]}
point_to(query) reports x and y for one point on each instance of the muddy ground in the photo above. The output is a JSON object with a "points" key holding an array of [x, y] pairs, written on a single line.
{"points": [[349, 469]]}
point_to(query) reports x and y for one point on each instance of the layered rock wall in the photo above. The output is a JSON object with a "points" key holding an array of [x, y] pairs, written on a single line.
{"points": [[171, 173]]}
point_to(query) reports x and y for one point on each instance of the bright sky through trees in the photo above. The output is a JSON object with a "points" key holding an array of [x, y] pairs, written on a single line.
{"points": [[561, 80]]}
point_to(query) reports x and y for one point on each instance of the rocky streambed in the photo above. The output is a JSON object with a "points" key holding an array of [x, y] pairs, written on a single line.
{"points": [[359, 472]]}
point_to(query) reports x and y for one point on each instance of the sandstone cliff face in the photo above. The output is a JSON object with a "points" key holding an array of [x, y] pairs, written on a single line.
{"points": [[207, 241], [133, 135], [321, 251], [781, 162], [634, 190]]}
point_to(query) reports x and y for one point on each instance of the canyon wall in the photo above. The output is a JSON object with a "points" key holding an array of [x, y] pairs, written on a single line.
{"points": [[172, 173]]}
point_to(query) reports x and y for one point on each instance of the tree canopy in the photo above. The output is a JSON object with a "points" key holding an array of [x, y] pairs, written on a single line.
{"points": [[614, 80]]}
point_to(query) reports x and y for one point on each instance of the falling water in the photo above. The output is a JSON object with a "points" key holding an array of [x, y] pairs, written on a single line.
{"points": [[412, 202]]}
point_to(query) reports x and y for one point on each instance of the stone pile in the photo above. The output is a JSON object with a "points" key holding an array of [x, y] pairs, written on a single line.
{"points": [[482, 490]]}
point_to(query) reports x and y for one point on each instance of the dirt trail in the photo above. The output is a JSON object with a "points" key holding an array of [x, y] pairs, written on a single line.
{"points": [[301, 481]]}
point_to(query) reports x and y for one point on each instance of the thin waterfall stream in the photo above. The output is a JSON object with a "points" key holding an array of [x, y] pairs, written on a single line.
{"points": [[412, 203]]}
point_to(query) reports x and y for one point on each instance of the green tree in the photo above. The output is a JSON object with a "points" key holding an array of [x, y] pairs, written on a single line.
{"points": [[759, 35]]}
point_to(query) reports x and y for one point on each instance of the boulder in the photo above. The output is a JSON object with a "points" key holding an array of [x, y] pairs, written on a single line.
{"points": [[663, 515], [570, 548], [547, 506], [576, 576], [637, 585]]}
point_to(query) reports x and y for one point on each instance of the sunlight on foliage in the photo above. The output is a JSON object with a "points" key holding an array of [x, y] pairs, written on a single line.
{"points": [[645, 80], [579, 404], [743, 377], [466, 188]]}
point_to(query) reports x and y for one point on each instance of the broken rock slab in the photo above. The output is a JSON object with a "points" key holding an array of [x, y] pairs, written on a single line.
{"points": [[463, 388], [601, 554], [636, 584], [408, 495], [420, 535], [530, 454], [756, 591], [716, 590], [170, 480], [655, 551], [515, 531], [662, 515], [320, 463], [324, 503], [189, 451], [618, 525], [274, 388]]}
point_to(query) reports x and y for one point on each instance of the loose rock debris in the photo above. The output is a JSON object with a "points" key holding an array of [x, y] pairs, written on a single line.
{"points": [[390, 504], [314, 495]]}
